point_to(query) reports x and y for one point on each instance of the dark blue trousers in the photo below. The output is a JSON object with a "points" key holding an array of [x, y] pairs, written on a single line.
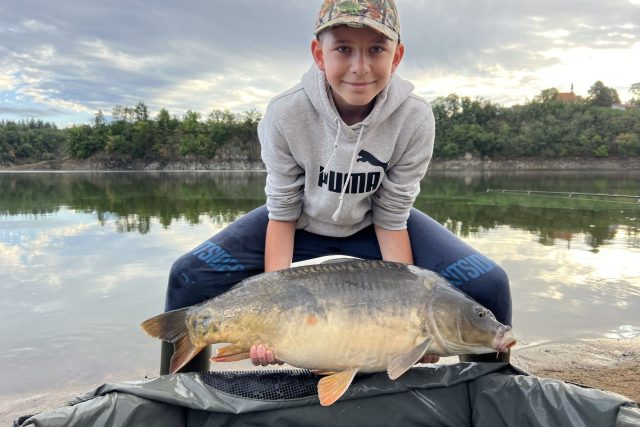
{"points": [[237, 252]]}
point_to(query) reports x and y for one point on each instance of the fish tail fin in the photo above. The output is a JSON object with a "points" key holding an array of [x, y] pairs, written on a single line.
{"points": [[172, 327]]}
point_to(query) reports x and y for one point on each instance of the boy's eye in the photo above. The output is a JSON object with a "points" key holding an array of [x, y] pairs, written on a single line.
{"points": [[377, 49], [342, 49]]}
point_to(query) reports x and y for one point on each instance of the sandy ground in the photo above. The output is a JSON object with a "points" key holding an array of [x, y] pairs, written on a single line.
{"points": [[608, 364]]}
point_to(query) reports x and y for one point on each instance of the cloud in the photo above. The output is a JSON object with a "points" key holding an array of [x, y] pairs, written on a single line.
{"points": [[37, 26], [84, 56], [30, 112], [8, 81]]}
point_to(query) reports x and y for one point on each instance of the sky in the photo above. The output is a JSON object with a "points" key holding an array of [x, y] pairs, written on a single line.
{"points": [[62, 61]]}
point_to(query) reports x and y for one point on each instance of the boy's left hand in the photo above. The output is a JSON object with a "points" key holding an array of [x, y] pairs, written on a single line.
{"points": [[429, 358], [261, 356]]}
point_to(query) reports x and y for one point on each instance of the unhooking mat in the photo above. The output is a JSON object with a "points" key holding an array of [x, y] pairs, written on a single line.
{"points": [[464, 394]]}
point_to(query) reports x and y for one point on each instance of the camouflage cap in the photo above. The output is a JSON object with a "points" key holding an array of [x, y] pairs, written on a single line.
{"points": [[381, 15]]}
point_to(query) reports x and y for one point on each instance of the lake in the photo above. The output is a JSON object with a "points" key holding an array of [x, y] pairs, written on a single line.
{"points": [[84, 257]]}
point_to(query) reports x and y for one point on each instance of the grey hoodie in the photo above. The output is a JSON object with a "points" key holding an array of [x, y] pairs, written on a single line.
{"points": [[336, 179]]}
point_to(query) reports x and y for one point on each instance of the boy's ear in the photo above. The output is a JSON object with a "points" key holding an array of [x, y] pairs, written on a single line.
{"points": [[397, 57], [318, 55]]}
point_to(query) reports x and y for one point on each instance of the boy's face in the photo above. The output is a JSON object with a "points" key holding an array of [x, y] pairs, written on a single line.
{"points": [[358, 63]]}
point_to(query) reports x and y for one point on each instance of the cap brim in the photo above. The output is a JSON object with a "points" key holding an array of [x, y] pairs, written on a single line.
{"points": [[359, 22]]}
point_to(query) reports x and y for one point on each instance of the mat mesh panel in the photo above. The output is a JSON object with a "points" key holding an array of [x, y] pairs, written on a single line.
{"points": [[263, 385], [266, 385]]}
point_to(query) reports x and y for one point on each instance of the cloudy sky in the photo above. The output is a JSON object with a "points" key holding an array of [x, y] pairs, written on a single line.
{"points": [[64, 60]]}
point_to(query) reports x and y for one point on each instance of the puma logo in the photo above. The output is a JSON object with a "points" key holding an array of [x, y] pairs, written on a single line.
{"points": [[367, 157]]}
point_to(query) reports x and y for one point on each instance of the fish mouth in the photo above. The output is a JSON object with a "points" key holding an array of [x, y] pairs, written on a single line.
{"points": [[504, 339]]}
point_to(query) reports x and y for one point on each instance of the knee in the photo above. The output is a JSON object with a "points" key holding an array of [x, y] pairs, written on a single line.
{"points": [[192, 281], [500, 281], [493, 291], [180, 283], [500, 291], [179, 272]]}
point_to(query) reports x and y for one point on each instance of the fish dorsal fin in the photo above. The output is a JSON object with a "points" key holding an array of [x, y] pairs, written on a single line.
{"points": [[401, 363], [340, 260], [230, 353], [332, 387]]}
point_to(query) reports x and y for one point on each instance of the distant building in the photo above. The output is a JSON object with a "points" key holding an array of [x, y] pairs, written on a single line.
{"points": [[568, 97], [624, 107]]}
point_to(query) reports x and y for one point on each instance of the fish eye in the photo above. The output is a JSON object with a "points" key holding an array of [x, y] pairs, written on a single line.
{"points": [[481, 312]]}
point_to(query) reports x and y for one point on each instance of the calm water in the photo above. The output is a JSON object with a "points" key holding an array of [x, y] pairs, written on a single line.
{"points": [[84, 257]]}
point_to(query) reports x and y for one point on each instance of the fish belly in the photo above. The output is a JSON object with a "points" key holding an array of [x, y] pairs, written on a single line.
{"points": [[338, 345]]}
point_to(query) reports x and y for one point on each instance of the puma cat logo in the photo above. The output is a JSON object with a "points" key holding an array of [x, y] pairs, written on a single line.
{"points": [[367, 157]]}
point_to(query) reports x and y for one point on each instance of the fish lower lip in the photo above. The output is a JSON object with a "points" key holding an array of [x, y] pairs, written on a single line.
{"points": [[504, 348]]}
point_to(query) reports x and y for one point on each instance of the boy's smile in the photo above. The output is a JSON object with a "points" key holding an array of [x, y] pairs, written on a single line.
{"points": [[358, 63]]}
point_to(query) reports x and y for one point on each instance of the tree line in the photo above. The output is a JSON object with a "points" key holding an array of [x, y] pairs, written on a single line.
{"points": [[543, 127]]}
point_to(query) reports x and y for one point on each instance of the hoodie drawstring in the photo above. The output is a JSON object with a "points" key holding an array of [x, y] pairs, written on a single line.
{"points": [[335, 149], [346, 182]]}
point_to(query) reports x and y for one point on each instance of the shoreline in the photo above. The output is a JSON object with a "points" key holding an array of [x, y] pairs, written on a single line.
{"points": [[467, 164], [608, 364]]}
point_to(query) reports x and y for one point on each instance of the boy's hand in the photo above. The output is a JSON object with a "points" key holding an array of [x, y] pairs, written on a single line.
{"points": [[429, 358], [261, 356]]}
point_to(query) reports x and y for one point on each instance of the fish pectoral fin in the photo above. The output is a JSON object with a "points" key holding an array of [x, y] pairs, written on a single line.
{"points": [[230, 353], [332, 387], [401, 363]]}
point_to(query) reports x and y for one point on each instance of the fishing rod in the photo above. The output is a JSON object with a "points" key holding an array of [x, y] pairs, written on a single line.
{"points": [[563, 193]]}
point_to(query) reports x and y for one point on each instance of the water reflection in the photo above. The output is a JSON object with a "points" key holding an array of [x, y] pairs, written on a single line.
{"points": [[460, 201], [463, 204], [84, 258], [133, 199]]}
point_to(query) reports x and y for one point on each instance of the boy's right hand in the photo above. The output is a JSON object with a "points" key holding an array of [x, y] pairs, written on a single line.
{"points": [[261, 356]]}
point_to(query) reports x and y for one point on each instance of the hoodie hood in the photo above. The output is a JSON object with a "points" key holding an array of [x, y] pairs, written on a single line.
{"points": [[388, 100]]}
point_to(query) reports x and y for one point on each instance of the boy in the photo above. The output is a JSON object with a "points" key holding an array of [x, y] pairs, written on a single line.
{"points": [[345, 151]]}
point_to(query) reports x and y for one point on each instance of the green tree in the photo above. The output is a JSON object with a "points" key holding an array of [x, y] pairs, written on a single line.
{"points": [[547, 95], [627, 144], [635, 90], [82, 142], [602, 96], [192, 139], [165, 129], [141, 112], [99, 119]]}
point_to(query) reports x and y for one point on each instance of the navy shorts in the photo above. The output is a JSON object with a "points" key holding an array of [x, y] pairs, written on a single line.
{"points": [[237, 252]]}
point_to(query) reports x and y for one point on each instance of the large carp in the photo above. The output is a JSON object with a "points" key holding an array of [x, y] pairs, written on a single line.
{"points": [[347, 317]]}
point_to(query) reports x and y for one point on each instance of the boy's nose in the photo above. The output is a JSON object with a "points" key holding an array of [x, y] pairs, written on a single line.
{"points": [[360, 64]]}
